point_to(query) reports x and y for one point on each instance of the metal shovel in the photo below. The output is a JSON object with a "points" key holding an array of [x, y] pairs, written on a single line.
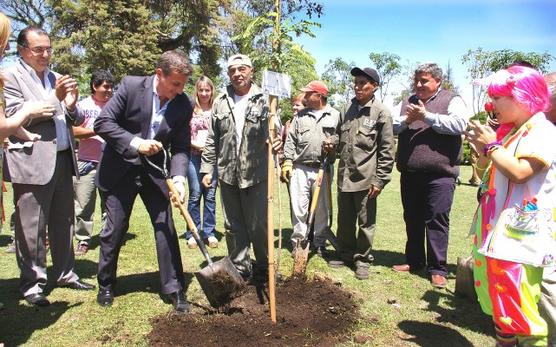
{"points": [[219, 280]]}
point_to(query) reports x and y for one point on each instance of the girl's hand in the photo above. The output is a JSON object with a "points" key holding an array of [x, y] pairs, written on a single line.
{"points": [[479, 135]]}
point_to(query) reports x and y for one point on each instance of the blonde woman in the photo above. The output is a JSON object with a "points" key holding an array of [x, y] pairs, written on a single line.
{"points": [[204, 96]]}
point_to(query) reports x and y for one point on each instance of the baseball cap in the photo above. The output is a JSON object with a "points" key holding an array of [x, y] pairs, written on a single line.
{"points": [[367, 72], [317, 87], [239, 59]]}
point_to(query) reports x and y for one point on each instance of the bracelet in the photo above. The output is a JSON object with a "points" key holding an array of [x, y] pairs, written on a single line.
{"points": [[491, 146]]}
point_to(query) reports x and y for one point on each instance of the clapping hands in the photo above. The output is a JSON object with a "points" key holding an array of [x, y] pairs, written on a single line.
{"points": [[67, 91]]}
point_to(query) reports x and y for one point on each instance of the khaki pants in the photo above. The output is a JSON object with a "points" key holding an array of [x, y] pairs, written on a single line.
{"points": [[85, 198], [302, 186]]}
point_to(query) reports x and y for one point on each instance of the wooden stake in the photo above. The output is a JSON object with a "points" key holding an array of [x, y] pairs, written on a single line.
{"points": [[270, 215]]}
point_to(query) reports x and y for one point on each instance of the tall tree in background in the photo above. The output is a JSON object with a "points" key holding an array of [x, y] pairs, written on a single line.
{"points": [[337, 76], [116, 35], [448, 79], [27, 12], [194, 26], [83, 28], [407, 71], [388, 67], [481, 63], [250, 30]]}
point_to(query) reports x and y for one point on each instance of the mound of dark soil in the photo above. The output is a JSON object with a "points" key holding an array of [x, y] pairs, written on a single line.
{"points": [[309, 313]]}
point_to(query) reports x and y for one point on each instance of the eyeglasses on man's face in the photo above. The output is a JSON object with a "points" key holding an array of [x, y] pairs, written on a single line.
{"points": [[39, 50]]}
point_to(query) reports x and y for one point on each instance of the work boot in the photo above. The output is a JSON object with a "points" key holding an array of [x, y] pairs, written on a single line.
{"points": [[362, 271]]}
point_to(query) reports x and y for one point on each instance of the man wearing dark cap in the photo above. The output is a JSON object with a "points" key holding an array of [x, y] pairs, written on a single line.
{"points": [[429, 124], [303, 156], [365, 143]]}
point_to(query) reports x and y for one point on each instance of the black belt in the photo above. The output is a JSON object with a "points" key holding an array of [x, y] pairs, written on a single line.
{"points": [[313, 165]]}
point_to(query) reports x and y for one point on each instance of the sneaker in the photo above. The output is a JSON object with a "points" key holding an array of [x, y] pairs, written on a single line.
{"points": [[10, 248], [191, 243], [212, 242], [82, 249]]}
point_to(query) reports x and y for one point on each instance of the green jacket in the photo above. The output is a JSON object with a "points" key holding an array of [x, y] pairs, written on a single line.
{"points": [[365, 143], [250, 166], [305, 136]]}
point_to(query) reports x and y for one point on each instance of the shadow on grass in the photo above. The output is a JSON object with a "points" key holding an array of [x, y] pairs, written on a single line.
{"points": [[19, 322], [148, 282], [9, 288], [432, 335], [286, 238], [94, 242], [462, 312], [5, 240]]}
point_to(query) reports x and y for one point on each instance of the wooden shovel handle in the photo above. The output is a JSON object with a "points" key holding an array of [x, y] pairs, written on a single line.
{"points": [[185, 214]]}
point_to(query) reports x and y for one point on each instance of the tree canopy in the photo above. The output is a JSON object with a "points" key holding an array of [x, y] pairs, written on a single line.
{"points": [[388, 67], [481, 63]]}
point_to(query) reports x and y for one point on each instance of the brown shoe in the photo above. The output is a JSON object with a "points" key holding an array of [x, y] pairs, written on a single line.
{"points": [[439, 281], [401, 268]]}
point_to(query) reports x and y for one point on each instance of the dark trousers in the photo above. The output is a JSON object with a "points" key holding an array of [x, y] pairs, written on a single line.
{"points": [[119, 203], [427, 200], [356, 231]]}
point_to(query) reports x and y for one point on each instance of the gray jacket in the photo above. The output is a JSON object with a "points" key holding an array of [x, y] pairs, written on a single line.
{"points": [[250, 166], [366, 147], [306, 134]]}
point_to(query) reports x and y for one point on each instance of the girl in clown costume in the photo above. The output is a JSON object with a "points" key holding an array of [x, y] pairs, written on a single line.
{"points": [[518, 162]]}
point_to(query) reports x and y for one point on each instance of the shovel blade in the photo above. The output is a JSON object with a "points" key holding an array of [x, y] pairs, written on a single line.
{"points": [[220, 281], [301, 254]]}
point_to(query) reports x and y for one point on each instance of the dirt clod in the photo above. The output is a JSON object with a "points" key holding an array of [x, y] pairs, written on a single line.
{"points": [[309, 313]]}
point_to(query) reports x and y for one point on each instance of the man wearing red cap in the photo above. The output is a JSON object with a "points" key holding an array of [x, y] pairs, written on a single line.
{"points": [[303, 156], [365, 143]]}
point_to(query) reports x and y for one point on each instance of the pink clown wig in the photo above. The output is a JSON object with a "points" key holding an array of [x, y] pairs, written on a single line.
{"points": [[525, 85]]}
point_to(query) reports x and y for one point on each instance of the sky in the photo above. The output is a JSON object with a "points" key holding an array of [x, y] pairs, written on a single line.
{"points": [[431, 31]]}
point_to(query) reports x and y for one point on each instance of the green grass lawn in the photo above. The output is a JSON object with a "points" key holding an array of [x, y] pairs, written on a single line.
{"points": [[396, 309]]}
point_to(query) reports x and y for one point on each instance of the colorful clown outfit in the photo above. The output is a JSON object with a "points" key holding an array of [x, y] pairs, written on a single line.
{"points": [[510, 291]]}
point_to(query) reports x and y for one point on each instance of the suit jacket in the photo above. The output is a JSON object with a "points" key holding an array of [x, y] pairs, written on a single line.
{"points": [[27, 162], [128, 115]]}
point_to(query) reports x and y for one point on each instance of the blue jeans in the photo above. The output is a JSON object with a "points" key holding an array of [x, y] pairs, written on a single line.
{"points": [[196, 191]]}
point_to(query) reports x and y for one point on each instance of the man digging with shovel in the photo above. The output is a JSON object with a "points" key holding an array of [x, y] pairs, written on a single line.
{"points": [[304, 155]]}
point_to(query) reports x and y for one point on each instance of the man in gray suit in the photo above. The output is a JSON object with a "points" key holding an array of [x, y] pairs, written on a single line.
{"points": [[41, 171]]}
